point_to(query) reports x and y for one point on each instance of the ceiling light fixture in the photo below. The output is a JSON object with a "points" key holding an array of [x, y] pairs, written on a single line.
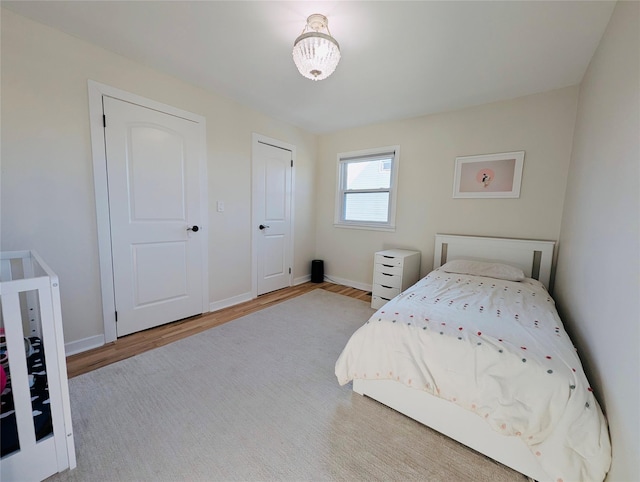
{"points": [[315, 53]]}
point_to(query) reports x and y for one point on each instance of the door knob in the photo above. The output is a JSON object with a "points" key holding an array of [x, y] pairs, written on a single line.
{"points": [[262, 226], [194, 228]]}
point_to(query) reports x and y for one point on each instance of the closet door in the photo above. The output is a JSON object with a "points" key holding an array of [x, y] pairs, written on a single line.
{"points": [[154, 206], [272, 191]]}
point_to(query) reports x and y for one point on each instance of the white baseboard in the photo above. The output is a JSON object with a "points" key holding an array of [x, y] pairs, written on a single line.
{"points": [[301, 279], [234, 300], [347, 282], [78, 346], [334, 279]]}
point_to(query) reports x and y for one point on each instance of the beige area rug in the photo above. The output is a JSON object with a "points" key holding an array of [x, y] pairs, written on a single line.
{"points": [[256, 399]]}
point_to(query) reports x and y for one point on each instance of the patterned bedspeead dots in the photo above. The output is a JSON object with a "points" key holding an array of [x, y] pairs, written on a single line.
{"points": [[549, 372], [572, 387], [524, 360]]}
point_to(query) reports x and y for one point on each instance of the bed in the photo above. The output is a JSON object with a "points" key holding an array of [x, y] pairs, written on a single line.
{"points": [[485, 360], [35, 422]]}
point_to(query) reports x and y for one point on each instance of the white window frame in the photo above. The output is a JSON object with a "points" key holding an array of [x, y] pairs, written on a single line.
{"points": [[344, 158]]}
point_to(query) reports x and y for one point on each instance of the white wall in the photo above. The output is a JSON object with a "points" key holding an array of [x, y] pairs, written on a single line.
{"points": [[47, 181], [598, 273], [541, 125]]}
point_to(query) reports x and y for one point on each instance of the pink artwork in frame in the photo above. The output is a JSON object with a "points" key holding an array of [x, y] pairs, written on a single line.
{"points": [[489, 175]]}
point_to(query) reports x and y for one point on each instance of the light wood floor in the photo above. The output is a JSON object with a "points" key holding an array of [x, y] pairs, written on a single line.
{"points": [[136, 343]]}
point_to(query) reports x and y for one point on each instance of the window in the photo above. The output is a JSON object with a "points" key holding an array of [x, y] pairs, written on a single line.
{"points": [[366, 194]]}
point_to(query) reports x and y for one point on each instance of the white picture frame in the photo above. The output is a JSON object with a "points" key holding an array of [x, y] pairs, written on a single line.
{"points": [[489, 175]]}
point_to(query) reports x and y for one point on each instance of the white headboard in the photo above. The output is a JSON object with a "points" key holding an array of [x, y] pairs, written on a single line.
{"points": [[532, 256]]}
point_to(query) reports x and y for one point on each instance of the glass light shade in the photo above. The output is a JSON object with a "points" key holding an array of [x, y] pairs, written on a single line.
{"points": [[316, 55]]}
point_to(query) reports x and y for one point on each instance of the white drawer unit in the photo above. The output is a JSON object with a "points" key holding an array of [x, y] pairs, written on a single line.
{"points": [[394, 270]]}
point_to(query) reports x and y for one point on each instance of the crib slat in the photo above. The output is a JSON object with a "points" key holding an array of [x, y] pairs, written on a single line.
{"points": [[5, 270], [32, 298], [69, 452], [53, 373]]}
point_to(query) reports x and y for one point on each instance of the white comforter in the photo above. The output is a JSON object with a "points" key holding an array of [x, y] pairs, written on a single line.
{"points": [[497, 348]]}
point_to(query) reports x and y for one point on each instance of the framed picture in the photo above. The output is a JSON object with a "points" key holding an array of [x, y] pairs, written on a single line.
{"points": [[489, 175]]}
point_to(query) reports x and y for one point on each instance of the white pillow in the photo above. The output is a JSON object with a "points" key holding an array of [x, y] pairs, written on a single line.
{"points": [[481, 268]]}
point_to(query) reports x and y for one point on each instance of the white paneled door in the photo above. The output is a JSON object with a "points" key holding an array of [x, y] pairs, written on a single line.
{"points": [[272, 173], [154, 206]]}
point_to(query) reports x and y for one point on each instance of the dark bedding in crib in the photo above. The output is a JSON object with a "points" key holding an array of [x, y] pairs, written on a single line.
{"points": [[39, 401]]}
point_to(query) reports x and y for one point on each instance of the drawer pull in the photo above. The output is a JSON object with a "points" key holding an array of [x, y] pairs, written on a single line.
{"points": [[388, 287], [388, 265], [382, 298], [386, 274], [388, 257]]}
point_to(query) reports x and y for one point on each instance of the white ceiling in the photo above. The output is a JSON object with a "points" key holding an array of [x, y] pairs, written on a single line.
{"points": [[400, 59]]}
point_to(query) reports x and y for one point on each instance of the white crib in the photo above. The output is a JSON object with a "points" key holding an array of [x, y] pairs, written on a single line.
{"points": [[30, 298]]}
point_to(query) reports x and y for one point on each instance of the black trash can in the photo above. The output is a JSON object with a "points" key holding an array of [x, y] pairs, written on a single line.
{"points": [[317, 271]]}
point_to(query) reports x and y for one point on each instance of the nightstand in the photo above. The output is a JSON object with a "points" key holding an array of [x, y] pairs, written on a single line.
{"points": [[394, 270]]}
